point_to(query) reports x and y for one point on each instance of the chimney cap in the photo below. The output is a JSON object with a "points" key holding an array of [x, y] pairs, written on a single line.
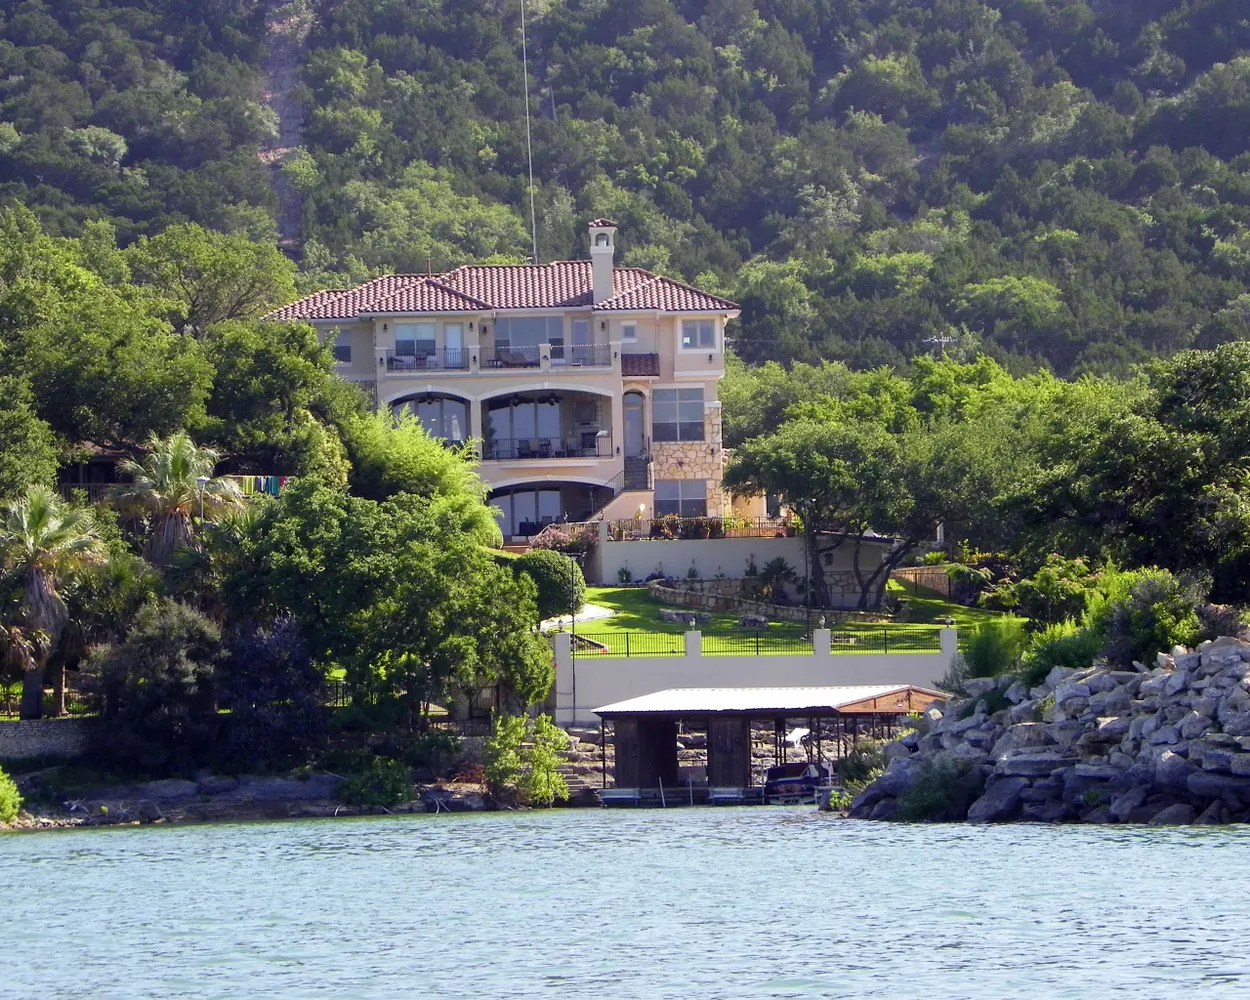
{"points": [[602, 224]]}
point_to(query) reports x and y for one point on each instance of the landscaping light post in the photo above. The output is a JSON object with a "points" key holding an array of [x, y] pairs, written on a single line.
{"points": [[575, 559], [201, 482]]}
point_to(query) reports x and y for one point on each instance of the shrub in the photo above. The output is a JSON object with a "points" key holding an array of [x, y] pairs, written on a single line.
{"points": [[159, 691], [542, 784], [502, 751], [1154, 611], [433, 748], [10, 800], [566, 537], [1063, 645], [994, 647], [1056, 592], [942, 791], [529, 771], [862, 766], [380, 782], [561, 585], [273, 693]]}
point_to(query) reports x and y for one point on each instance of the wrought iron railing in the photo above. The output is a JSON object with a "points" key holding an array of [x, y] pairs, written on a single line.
{"points": [[439, 359], [666, 527], [510, 357], [582, 355], [507, 449]]}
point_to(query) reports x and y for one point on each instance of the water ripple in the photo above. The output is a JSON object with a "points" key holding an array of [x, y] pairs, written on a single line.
{"points": [[713, 903]]}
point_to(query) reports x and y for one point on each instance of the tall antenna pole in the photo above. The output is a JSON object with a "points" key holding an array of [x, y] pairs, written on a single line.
{"points": [[529, 143]]}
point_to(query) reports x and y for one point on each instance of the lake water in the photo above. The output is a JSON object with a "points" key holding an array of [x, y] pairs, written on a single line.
{"points": [[695, 903]]}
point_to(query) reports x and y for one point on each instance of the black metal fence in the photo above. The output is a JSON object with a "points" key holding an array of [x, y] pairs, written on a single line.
{"points": [[772, 641], [757, 642], [887, 640], [629, 644], [78, 703]]}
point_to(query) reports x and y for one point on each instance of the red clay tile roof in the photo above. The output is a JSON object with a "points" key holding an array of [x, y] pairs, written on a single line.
{"points": [[664, 295], [601, 223], [562, 284], [637, 365]]}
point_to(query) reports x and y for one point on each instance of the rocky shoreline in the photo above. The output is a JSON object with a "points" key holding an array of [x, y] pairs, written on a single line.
{"points": [[1166, 745], [225, 799]]}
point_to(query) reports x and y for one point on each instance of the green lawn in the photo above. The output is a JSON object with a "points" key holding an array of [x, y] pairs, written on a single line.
{"points": [[638, 615]]}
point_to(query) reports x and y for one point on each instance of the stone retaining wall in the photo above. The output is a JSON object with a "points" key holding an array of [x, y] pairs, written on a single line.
{"points": [[712, 596], [44, 738]]}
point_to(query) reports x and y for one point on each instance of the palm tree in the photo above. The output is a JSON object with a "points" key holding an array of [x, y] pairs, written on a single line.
{"points": [[167, 490], [43, 541]]}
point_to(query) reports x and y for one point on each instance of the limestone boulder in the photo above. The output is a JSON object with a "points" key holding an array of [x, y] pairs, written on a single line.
{"points": [[1123, 805], [1034, 764], [1237, 724], [999, 803], [1172, 771], [1239, 764], [1212, 785], [1180, 814], [1194, 725], [976, 687]]}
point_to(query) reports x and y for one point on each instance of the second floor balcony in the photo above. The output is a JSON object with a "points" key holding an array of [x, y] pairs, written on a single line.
{"points": [[428, 359], [504, 356], [586, 444]]}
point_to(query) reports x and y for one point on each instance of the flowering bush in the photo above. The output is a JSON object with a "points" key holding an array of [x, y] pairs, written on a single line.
{"points": [[566, 538]]}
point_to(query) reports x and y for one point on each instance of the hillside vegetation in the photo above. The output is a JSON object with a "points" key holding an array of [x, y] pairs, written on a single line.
{"points": [[1055, 183]]}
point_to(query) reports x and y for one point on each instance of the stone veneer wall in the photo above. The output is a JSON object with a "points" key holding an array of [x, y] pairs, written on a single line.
{"points": [[696, 460], [721, 597], [44, 738]]}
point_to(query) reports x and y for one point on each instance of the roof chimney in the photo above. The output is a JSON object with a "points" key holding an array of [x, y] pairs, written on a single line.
{"points": [[602, 250]]}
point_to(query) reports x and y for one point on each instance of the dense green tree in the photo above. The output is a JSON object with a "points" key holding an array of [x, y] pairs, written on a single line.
{"points": [[27, 449], [43, 543], [173, 487]]}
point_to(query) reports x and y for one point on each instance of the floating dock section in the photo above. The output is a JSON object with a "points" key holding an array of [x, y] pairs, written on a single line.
{"points": [[645, 733]]}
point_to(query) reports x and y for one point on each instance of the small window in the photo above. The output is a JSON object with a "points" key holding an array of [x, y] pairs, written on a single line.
{"points": [[343, 349], [629, 333], [697, 334], [677, 415], [602, 240], [683, 497]]}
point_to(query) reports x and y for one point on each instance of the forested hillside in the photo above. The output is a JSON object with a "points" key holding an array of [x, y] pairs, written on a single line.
{"points": [[1057, 183]]}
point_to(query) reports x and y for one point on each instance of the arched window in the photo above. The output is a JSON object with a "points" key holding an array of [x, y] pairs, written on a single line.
{"points": [[443, 417], [602, 240]]}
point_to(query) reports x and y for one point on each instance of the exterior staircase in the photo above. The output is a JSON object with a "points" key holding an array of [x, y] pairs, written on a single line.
{"points": [[637, 474], [583, 768]]}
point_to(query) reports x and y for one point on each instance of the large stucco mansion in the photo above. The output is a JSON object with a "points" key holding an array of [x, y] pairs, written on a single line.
{"points": [[590, 387]]}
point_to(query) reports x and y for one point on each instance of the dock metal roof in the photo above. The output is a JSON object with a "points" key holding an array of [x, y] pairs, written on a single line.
{"points": [[775, 701]]}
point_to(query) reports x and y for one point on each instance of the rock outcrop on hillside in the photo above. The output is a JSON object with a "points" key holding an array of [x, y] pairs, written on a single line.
{"points": [[1167, 745]]}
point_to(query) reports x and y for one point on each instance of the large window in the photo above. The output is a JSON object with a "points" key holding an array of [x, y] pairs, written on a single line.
{"points": [[442, 417], [525, 512], [343, 348], [677, 415], [415, 340], [529, 331], [697, 334], [684, 497]]}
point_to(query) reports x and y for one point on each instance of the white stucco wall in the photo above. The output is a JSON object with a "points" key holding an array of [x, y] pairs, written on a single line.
{"points": [[601, 681]]}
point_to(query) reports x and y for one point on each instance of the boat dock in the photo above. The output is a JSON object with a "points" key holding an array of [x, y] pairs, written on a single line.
{"points": [[820, 724]]}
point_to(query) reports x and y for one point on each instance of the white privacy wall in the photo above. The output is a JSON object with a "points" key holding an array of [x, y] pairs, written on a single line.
{"points": [[600, 681]]}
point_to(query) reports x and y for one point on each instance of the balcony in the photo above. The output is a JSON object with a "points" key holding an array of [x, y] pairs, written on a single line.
{"points": [[587, 444], [510, 357], [558, 356], [435, 360]]}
